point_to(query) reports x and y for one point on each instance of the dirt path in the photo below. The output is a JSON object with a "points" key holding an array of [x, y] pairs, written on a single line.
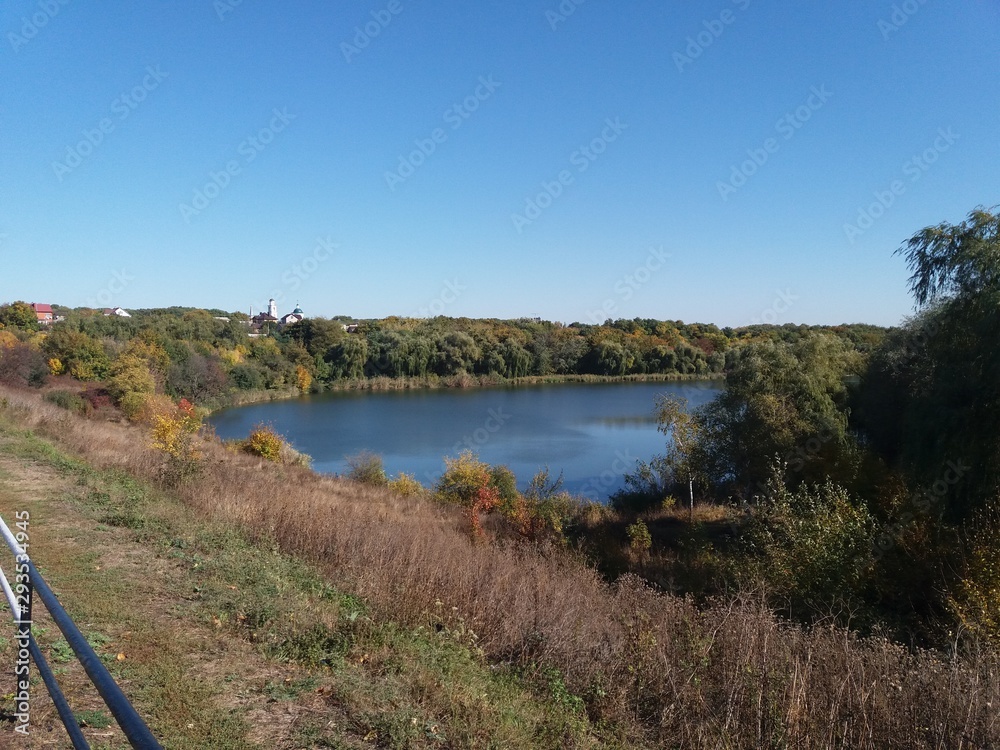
{"points": [[140, 609]]}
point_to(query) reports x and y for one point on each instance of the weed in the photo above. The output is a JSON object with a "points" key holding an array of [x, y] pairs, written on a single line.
{"points": [[95, 719]]}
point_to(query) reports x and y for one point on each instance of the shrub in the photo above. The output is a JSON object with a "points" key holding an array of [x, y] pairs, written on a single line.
{"points": [[976, 597], [247, 377], [22, 365], [502, 479], [463, 478], [544, 510], [406, 485], [173, 433], [68, 400], [264, 442], [133, 404], [813, 546], [367, 468], [98, 398], [468, 482], [130, 374], [639, 538]]}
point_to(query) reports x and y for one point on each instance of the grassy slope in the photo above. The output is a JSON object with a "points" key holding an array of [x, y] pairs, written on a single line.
{"points": [[226, 644], [289, 652]]}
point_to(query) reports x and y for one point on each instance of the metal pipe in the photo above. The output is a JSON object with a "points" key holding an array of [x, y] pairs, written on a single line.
{"points": [[128, 718], [65, 712]]}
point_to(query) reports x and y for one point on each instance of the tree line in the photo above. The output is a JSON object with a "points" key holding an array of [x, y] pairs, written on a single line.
{"points": [[208, 355]]}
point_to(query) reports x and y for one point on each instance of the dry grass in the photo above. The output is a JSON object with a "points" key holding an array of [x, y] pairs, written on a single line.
{"points": [[725, 675]]}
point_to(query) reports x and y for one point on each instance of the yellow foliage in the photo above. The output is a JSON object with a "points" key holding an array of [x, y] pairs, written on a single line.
{"points": [[82, 371], [145, 407], [303, 378], [463, 479], [264, 442], [56, 367], [7, 340], [149, 354], [173, 432], [233, 356], [406, 485]]}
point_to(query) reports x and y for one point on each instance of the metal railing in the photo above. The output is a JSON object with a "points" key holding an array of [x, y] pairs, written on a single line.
{"points": [[28, 582]]}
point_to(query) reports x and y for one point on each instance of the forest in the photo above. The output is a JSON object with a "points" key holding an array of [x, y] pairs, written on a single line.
{"points": [[208, 356]]}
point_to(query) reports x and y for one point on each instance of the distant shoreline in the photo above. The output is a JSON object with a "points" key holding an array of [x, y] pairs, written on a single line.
{"points": [[434, 382]]}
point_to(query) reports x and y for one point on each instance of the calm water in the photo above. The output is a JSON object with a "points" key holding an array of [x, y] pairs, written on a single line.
{"points": [[592, 433]]}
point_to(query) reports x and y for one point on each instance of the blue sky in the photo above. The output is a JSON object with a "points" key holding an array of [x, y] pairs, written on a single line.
{"points": [[729, 161]]}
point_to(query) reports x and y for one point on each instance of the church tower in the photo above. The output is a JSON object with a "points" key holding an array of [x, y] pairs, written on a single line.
{"points": [[272, 308]]}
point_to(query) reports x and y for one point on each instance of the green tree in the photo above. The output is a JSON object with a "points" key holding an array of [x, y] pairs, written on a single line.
{"points": [[347, 359], [130, 374], [18, 315], [932, 392], [781, 401], [673, 418], [84, 356], [456, 353]]}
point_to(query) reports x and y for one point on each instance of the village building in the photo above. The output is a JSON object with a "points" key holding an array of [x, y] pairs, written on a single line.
{"points": [[265, 322], [293, 317], [44, 314]]}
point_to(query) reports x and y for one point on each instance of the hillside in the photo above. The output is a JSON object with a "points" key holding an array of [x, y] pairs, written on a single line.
{"points": [[301, 611]]}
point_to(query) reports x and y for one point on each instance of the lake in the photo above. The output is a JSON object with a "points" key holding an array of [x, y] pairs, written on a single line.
{"points": [[592, 433]]}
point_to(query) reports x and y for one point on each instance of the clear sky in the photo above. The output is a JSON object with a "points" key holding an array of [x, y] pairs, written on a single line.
{"points": [[728, 161]]}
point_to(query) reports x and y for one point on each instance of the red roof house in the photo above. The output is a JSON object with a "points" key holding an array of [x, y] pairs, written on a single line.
{"points": [[43, 313]]}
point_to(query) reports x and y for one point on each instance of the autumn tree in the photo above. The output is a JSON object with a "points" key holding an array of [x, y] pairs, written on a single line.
{"points": [[18, 315]]}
